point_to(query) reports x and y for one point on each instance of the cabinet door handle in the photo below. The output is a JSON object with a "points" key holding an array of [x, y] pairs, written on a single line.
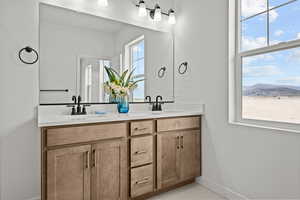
{"points": [[140, 152], [140, 129], [177, 142], [182, 142], [94, 158], [143, 181], [87, 165]]}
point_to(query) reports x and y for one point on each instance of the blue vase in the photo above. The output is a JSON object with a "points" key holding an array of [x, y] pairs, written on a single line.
{"points": [[123, 105]]}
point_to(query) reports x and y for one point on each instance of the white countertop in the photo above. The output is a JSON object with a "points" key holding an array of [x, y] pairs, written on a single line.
{"points": [[52, 118], [59, 120]]}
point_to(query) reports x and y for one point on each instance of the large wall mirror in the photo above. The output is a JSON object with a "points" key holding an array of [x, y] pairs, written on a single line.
{"points": [[76, 49]]}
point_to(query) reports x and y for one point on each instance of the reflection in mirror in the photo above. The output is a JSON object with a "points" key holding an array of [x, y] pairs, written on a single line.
{"points": [[75, 48], [92, 78], [136, 49]]}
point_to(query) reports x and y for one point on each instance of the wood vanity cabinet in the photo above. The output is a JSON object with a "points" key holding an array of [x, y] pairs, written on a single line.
{"points": [[190, 154], [178, 153], [87, 172], [120, 160], [168, 159], [68, 173], [142, 157], [109, 170], [87, 162]]}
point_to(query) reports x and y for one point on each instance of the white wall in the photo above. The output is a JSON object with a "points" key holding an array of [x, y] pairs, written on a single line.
{"points": [[257, 163], [60, 47], [20, 138], [19, 97]]}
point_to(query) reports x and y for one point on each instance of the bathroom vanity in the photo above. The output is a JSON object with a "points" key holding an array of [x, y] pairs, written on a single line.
{"points": [[110, 156], [130, 157]]}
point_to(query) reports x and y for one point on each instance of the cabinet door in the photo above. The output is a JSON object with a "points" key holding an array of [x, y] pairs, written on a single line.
{"points": [[190, 154], [168, 159], [68, 173], [109, 170]]}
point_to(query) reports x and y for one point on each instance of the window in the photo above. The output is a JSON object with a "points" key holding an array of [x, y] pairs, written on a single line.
{"points": [[266, 61], [137, 63]]}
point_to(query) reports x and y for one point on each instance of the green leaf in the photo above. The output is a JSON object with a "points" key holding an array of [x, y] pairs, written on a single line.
{"points": [[129, 78], [123, 77], [115, 72], [135, 82], [111, 76]]}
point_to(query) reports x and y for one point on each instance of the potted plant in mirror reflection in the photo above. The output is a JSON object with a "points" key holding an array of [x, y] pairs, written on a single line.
{"points": [[119, 87]]}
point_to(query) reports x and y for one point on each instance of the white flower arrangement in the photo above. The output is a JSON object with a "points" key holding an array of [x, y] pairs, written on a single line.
{"points": [[119, 85]]}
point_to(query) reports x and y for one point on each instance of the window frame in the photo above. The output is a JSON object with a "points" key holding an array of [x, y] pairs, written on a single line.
{"points": [[131, 56], [235, 76], [129, 46]]}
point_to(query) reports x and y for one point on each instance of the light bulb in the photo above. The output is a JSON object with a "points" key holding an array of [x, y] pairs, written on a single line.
{"points": [[157, 13], [103, 3], [172, 17], [142, 9]]}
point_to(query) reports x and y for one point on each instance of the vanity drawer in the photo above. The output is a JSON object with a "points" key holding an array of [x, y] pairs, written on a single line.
{"points": [[141, 151], [141, 180], [141, 127], [85, 133], [178, 123]]}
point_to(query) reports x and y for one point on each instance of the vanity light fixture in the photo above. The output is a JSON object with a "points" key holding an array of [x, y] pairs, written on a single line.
{"points": [[142, 9], [172, 17], [103, 3], [155, 13]]}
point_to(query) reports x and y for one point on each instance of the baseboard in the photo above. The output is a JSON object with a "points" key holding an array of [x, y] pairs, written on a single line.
{"points": [[35, 198], [217, 188], [221, 190]]}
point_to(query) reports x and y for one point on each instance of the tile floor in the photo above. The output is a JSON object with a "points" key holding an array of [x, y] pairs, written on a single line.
{"points": [[189, 192]]}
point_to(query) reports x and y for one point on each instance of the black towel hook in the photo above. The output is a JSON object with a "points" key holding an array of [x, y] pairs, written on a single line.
{"points": [[28, 50], [161, 72], [183, 67]]}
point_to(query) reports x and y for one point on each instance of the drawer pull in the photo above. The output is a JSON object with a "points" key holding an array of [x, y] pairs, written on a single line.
{"points": [[140, 152], [143, 181], [140, 129]]}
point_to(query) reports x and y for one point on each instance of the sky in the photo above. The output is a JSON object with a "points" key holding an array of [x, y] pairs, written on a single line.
{"points": [[282, 67]]}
